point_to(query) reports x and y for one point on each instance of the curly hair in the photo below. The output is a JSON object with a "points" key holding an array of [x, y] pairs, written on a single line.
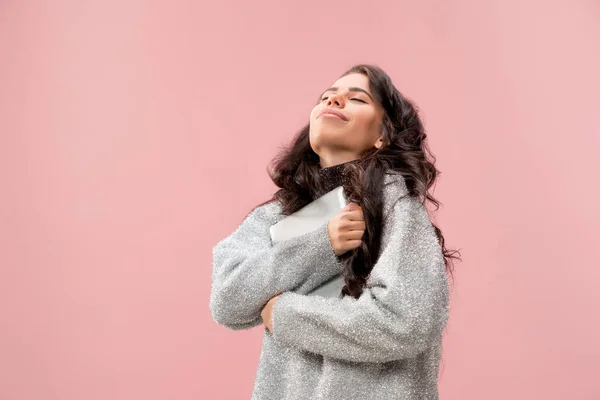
{"points": [[295, 171]]}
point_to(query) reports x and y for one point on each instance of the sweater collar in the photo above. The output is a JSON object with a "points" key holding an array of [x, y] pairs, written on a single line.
{"points": [[334, 176]]}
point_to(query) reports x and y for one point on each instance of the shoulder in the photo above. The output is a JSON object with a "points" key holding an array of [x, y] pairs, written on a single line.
{"points": [[394, 188], [269, 212], [395, 180], [255, 223], [398, 200]]}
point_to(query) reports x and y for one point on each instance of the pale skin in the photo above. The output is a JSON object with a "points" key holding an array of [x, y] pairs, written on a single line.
{"points": [[337, 140]]}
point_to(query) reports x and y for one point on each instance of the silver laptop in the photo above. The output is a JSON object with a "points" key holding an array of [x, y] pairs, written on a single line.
{"points": [[307, 219]]}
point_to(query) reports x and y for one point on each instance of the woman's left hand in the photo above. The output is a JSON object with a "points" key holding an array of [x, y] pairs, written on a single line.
{"points": [[267, 313]]}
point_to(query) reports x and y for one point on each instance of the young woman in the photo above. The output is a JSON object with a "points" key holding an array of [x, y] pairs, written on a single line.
{"points": [[381, 339]]}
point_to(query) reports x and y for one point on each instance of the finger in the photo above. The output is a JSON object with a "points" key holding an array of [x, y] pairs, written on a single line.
{"points": [[356, 225], [352, 235], [353, 244], [351, 206], [356, 215], [348, 225], [356, 235]]}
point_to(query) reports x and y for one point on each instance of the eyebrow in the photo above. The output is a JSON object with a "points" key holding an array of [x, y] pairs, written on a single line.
{"points": [[351, 89]]}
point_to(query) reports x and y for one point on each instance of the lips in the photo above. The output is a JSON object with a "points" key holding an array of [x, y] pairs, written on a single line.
{"points": [[331, 111]]}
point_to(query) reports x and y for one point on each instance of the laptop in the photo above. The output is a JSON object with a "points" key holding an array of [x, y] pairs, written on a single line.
{"points": [[307, 219]]}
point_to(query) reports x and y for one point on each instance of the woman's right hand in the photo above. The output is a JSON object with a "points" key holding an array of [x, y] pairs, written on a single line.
{"points": [[346, 229]]}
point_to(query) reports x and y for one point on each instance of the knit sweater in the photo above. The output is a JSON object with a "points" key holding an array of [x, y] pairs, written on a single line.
{"points": [[384, 345]]}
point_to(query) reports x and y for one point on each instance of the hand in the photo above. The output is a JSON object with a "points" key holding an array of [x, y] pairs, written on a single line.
{"points": [[346, 229], [267, 313]]}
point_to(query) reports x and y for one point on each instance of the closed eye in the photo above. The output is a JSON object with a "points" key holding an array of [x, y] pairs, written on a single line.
{"points": [[354, 98]]}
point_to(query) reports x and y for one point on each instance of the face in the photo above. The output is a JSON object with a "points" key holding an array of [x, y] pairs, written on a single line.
{"points": [[346, 122]]}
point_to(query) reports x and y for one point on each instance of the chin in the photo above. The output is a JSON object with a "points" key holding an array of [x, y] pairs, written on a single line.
{"points": [[328, 135]]}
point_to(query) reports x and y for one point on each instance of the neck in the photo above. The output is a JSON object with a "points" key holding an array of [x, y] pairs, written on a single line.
{"points": [[330, 160], [334, 176]]}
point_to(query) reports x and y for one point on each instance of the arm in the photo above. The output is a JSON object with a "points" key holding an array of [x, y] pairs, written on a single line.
{"points": [[402, 310], [248, 270]]}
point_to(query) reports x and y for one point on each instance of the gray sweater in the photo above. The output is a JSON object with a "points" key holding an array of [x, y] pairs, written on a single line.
{"points": [[384, 345]]}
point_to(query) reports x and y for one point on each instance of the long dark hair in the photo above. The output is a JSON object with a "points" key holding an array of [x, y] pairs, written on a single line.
{"points": [[295, 170]]}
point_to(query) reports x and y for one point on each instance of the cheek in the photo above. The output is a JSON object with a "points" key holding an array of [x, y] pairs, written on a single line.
{"points": [[314, 112], [367, 119]]}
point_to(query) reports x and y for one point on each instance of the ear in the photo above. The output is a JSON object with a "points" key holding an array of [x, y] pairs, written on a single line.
{"points": [[379, 142]]}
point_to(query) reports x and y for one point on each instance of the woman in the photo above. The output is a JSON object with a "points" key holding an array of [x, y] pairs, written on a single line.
{"points": [[381, 339]]}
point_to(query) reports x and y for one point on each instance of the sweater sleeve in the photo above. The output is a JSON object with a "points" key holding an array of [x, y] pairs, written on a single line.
{"points": [[248, 269], [401, 311]]}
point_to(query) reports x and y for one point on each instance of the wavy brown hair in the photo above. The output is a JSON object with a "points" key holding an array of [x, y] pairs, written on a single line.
{"points": [[295, 170]]}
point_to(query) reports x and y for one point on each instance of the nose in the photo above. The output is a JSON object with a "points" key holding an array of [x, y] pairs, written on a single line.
{"points": [[335, 99]]}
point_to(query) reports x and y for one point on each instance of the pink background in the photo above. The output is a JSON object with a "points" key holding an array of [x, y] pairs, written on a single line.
{"points": [[134, 135]]}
